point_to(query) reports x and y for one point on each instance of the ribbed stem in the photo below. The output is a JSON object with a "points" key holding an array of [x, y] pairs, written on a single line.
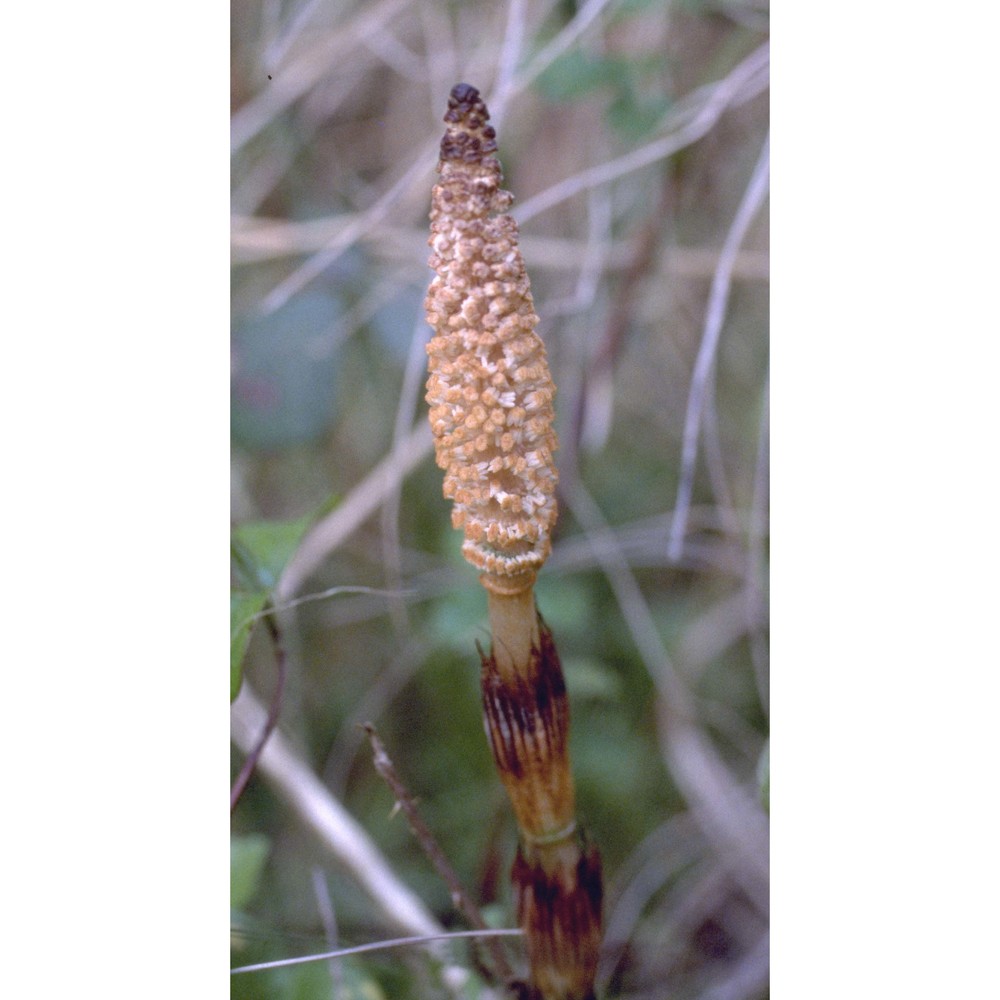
{"points": [[527, 720], [558, 888], [556, 874]]}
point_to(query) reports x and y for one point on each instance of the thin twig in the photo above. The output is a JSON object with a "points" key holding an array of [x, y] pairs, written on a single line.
{"points": [[298, 76], [694, 895], [715, 313], [396, 55], [715, 464], [428, 842], [582, 20], [643, 544], [322, 595], [643, 252], [340, 834], [379, 693], [594, 262], [277, 49], [324, 536], [440, 54], [377, 946], [274, 710], [256, 239], [677, 845], [729, 817], [326, 257], [746, 80], [328, 917], [756, 561], [392, 558], [510, 56]]}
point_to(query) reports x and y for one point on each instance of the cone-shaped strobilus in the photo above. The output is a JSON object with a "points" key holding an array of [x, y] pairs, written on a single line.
{"points": [[490, 394]]}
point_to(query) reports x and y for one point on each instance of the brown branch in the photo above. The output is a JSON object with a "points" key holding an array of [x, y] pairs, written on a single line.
{"points": [[459, 897], [274, 710]]}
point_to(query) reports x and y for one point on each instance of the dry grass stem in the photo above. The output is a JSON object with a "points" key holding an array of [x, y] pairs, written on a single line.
{"points": [[329, 532], [326, 257], [746, 81], [715, 313], [428, 842], [306, 69], [360, 949], [328, 917], [731, 820], [257, 239], [273, 711], [338, 832]]}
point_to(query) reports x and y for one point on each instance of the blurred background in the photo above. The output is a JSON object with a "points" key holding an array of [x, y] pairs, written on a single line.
{"points": [[633, 136]]}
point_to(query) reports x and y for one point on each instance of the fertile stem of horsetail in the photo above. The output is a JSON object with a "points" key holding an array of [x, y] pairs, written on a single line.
{"points": [[490, 396]]}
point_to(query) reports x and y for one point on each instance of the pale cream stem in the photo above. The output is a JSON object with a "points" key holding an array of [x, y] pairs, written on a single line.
{"points": [[514, 624]]}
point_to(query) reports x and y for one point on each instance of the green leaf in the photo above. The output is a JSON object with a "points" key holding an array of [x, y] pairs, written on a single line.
{"points": [[259, 551], [262, 548], [247, 856], [243, 609]]}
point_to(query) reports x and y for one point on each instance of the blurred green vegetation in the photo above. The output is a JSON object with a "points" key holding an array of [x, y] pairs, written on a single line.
{"points": [[328, 377]]}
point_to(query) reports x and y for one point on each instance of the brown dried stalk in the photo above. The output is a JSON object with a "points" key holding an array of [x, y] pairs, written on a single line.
{"points": [[428, 842], [490, 396]]}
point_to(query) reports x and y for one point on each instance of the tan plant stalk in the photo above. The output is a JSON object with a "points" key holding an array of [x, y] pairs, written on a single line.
{"points": [[490, 394]]}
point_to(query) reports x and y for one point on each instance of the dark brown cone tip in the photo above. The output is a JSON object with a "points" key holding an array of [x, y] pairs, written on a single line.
{"points": [[470, 138]]}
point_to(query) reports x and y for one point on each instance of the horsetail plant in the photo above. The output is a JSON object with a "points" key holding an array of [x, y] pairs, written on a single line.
{"points": [[490, 394]]}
